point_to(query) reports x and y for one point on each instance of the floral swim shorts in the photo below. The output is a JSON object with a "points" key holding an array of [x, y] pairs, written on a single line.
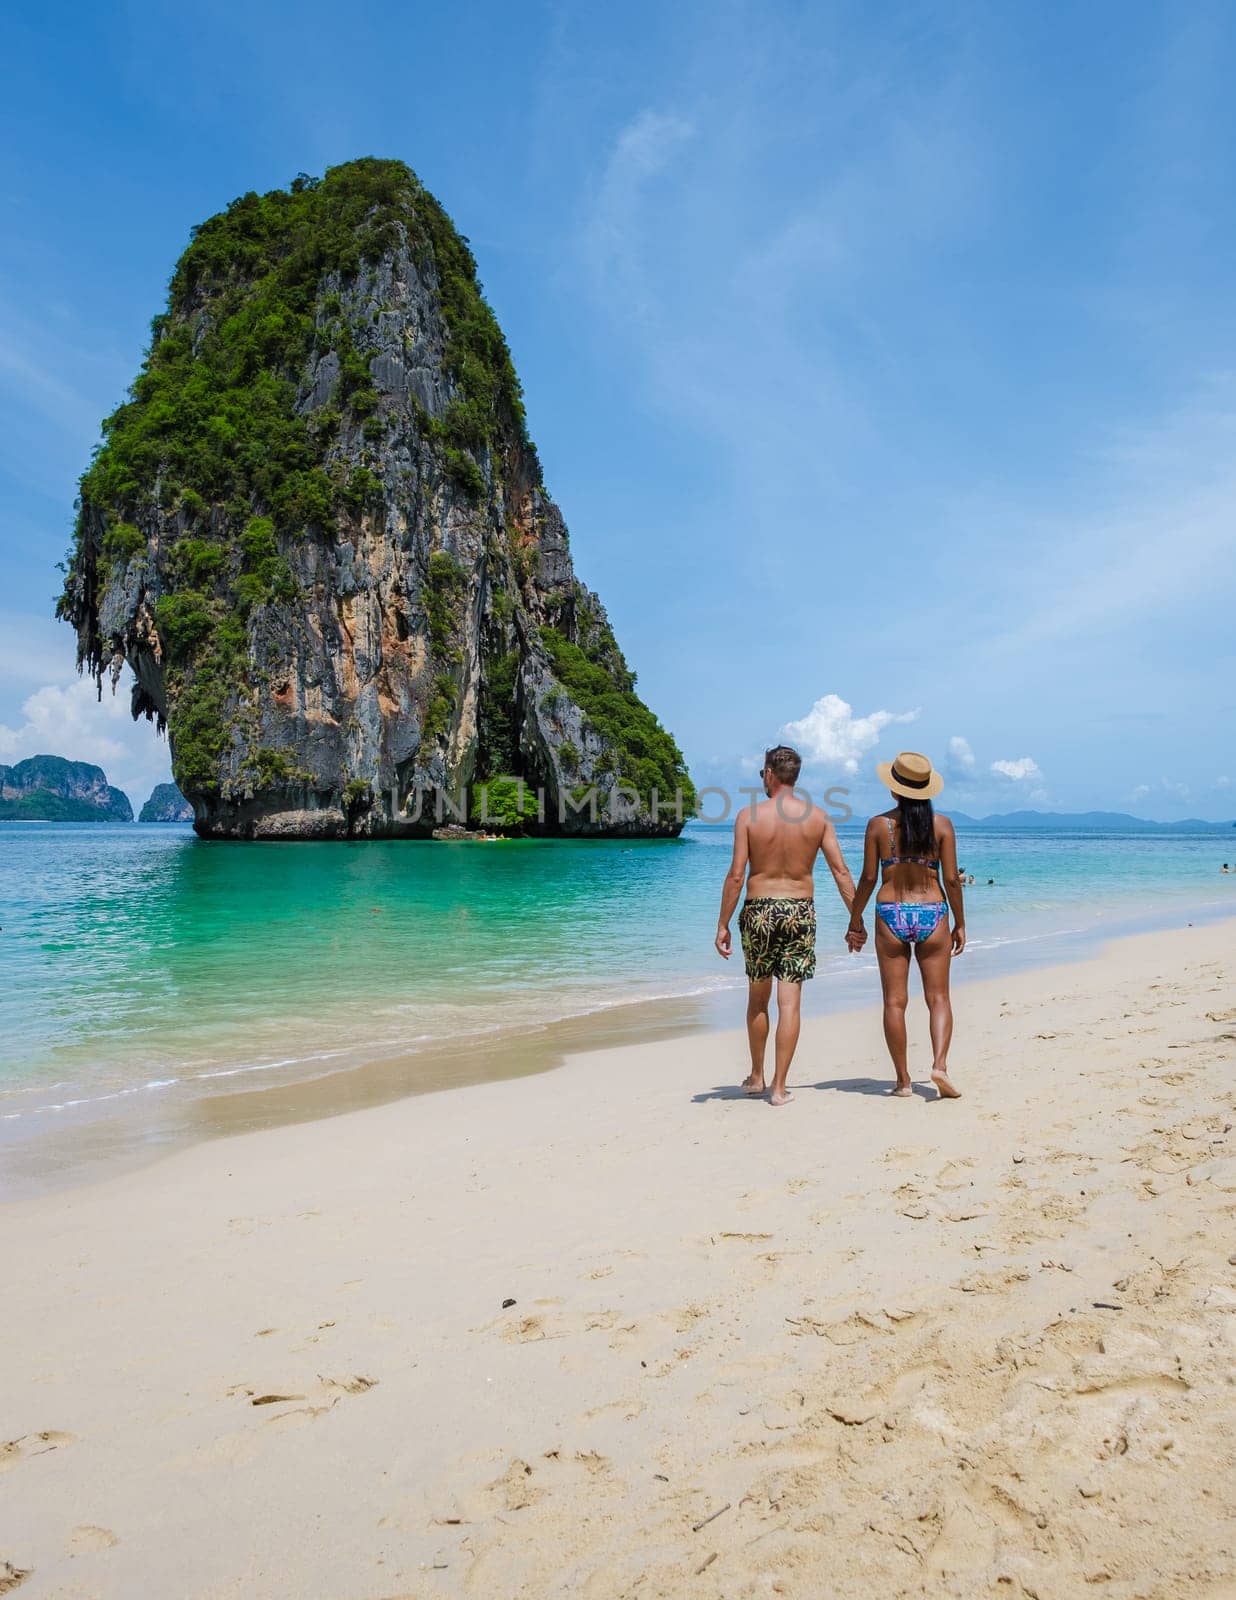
{"points": [[778, 939]]}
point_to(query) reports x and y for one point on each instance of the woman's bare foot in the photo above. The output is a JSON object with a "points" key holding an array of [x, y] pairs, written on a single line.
{"points": [[780, 1099], [753, 1085], [903, 1091], [944, 1088]]}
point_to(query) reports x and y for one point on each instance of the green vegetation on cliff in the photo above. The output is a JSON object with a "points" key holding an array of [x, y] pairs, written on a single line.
{"points": [[505, 803], [50, 808], [212, 417], [499, 736], [649, 758]]}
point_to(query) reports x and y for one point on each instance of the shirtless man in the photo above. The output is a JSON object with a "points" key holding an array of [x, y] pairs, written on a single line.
{"points": [[778, 840]]}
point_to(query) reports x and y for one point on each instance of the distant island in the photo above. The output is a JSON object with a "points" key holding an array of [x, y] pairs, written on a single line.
{"points": [[51, 789], [166, 804], [1105, 821]]}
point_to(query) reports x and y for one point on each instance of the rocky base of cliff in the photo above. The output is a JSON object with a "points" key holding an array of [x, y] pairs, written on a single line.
{"points": [[258, 822]]}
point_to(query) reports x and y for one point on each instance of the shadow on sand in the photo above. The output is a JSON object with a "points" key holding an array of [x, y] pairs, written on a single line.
{"points": [[880, 1086], [877, 1086]]}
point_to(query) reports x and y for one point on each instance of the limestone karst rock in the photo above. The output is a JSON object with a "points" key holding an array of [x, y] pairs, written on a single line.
{"points": [[318, 533]]}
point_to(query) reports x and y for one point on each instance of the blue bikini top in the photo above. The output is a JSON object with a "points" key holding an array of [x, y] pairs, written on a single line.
{"points": [[901, 861]]}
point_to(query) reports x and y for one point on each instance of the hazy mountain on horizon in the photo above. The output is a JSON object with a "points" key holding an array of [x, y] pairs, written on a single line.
{"points": [[1109, 820]]}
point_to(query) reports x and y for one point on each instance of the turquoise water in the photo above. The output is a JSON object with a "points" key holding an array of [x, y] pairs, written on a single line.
{"points": [[140, 961]]}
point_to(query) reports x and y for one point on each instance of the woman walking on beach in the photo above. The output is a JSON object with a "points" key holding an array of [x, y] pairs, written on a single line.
{"points": [[910, 851]]}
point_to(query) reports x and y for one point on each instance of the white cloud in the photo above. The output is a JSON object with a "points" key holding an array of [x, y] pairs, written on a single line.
{"points": [[68, 719], [960, 758], [1223, 783], [1023, 770], [643, 149], [831, 735], [1165, 786]]}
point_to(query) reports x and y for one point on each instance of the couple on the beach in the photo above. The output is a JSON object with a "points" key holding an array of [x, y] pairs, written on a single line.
{"points": [[909, 851]]}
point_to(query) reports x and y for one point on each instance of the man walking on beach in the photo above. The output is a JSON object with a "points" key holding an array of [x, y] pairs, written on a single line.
{"points": [[775, 846]]}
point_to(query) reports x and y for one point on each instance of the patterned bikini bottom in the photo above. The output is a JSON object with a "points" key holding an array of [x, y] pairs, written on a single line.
{"points": [[911, 920]]}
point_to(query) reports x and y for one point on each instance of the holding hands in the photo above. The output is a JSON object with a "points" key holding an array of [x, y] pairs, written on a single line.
{"points": [[855, 937]]}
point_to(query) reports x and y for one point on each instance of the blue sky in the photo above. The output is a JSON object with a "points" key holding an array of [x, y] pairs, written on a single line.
{"points": [[882, 359]]}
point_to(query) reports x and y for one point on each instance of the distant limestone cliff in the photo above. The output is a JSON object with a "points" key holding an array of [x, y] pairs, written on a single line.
{"points": [[166, 804], [319, 534], [51, 789]]}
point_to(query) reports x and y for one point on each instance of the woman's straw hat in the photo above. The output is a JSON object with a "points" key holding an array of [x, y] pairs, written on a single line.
{"points": [[911, 775]]}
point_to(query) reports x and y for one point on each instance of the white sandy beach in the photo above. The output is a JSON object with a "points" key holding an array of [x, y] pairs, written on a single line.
{"points": [[855, 1346]]}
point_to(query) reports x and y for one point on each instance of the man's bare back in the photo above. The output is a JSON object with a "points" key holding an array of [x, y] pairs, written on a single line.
{"points": [[784, 837]]}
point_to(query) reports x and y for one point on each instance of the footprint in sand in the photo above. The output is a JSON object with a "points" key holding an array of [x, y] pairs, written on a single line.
{"points": [[357, 1384], [32, 1444], [886, 1397], [537, 1328], [991, 1282], [859, 1325], [514, 1490], [11, 1576], [89, 1536], [624, 1410], [329, 1390], [1134, 1365]]}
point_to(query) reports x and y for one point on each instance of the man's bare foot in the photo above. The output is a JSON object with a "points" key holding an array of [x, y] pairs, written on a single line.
{"points": [[944, 1088], [753, 1085], [903, 1091], [781, 1099]]}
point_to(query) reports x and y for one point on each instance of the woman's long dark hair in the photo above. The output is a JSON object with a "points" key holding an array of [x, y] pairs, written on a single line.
{"points": [[916, 821]]}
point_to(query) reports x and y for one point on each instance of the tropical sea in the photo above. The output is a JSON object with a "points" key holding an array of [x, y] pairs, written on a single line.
{"points": [[146, 971]]}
